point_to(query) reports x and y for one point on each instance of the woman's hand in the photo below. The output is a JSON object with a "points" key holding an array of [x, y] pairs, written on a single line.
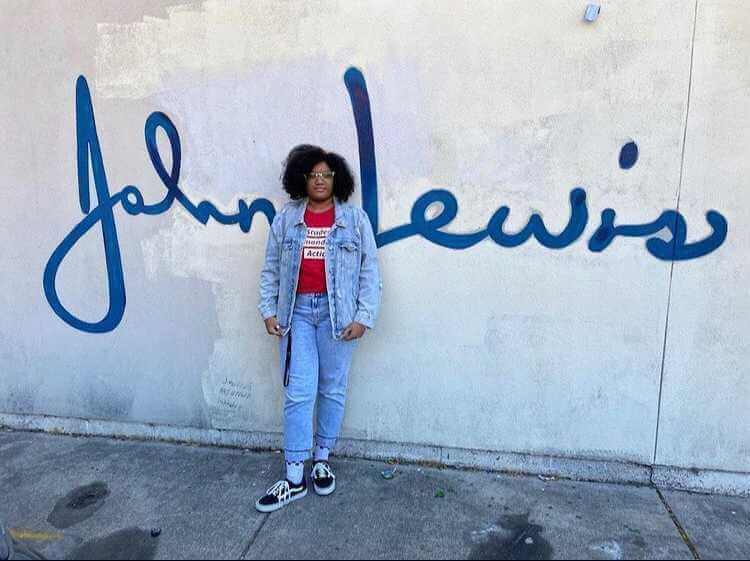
{"points": [[272, 326], [353, 331]]}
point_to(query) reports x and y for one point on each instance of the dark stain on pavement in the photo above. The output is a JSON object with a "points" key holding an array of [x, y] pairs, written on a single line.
{"points": [[131, 543], [78, 505], [521, 540], [639, 542]]}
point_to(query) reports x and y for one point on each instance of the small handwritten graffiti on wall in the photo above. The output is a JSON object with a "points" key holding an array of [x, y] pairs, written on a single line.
{"points": [[89, 154], [232, 394]]}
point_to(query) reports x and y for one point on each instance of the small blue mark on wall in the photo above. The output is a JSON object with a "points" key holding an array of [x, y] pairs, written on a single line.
{"points": [[628, 155], [89, 157]]}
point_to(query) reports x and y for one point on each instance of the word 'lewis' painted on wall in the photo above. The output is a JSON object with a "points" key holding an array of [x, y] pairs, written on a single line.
{"points": [[89, 156]]}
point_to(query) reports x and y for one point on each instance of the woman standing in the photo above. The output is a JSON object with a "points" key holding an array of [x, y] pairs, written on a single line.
{"points": [[319, 292]]}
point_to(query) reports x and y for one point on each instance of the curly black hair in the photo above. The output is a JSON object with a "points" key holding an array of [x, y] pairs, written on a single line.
{"points": [[302, 159]]}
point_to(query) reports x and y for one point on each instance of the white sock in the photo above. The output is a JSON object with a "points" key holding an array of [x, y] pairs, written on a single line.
{"points": [[295, 472], [320, 454]]}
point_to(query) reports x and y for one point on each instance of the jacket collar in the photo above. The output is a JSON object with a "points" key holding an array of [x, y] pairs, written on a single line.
{"points": [[338, 212]]}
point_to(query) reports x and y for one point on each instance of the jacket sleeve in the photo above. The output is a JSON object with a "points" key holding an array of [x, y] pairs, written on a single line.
{"points": [[269, 275], [370, 281]]}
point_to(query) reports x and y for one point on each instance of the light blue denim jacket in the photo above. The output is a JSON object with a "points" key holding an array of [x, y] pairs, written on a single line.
{"points": [[351, 262]]}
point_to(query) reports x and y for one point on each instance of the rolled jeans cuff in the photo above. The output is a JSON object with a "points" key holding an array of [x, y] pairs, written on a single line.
{"points": [[323, 442], [296, 455]]}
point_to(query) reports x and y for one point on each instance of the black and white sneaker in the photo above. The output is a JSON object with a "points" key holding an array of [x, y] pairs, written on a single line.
{"points": [[324, 482], [280, 495]]}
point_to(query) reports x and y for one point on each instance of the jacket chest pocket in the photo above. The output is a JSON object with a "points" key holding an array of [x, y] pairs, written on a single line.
{"points": [[288, 254], [347, 281], [286, 280], [347, 264]]}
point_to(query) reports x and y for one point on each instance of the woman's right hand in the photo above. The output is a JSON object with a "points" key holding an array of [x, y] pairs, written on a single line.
{"points": [[272, 326]]}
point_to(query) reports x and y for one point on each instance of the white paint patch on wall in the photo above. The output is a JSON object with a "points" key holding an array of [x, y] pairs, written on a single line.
{"points": [[138, 59], [221, 256]]}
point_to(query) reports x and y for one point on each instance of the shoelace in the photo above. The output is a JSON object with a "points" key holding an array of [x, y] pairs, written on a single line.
{"points": [[322, 470], [281, 491]]}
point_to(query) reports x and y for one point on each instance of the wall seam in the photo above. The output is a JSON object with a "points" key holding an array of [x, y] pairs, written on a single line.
{"points": [[677, 208]]}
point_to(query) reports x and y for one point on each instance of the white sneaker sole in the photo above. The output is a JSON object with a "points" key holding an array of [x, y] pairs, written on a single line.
{"points": [[273, 508], [325, 492]]}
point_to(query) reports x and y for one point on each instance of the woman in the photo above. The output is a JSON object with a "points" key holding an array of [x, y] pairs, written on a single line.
{"points": [[319, 292]]}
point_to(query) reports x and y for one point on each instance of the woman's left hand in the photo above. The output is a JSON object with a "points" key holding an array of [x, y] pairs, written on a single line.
{"points": [[353, 331]]}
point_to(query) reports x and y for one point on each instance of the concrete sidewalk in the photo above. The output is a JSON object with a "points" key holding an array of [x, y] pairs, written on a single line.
{"points": [[92, 498]]}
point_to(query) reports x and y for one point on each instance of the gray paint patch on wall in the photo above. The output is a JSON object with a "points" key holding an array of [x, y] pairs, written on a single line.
{"points": [[19, 398], [107, 399]]}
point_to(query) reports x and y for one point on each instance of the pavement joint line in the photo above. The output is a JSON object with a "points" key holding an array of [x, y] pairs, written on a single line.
{"points": [[255, 535], [678, 525]]}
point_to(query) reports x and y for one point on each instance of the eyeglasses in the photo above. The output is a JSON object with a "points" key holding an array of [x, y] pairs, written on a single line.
{"points": [[327, 175]]}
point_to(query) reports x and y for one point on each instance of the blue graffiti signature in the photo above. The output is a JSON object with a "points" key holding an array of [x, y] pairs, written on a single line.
{"points": [[675, 249], [89, 154]]}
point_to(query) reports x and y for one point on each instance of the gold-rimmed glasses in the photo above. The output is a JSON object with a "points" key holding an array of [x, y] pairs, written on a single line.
{"points": [[327, 175]]}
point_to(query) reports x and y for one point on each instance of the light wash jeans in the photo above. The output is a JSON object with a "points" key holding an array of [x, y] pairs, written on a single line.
{"points": [[319, 368]]}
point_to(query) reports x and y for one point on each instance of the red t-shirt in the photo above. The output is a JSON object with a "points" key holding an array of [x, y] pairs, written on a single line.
{"points": [[312, 273]]}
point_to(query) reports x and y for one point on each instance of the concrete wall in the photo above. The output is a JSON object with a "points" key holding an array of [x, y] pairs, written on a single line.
{"points": [[620, 355]]}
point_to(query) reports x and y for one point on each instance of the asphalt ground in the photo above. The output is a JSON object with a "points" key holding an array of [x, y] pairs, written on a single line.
{"points": [[98, 498]]}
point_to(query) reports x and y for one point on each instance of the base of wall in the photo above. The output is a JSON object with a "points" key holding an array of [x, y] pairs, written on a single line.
{"points": [[731, 483], [702, 481]]}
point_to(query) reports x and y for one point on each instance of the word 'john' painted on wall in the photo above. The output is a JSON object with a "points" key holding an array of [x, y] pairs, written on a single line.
{"points": [[89, 155]]}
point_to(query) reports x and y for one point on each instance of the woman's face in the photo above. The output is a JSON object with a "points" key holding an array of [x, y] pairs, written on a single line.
{"points": [[320, 189]]}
